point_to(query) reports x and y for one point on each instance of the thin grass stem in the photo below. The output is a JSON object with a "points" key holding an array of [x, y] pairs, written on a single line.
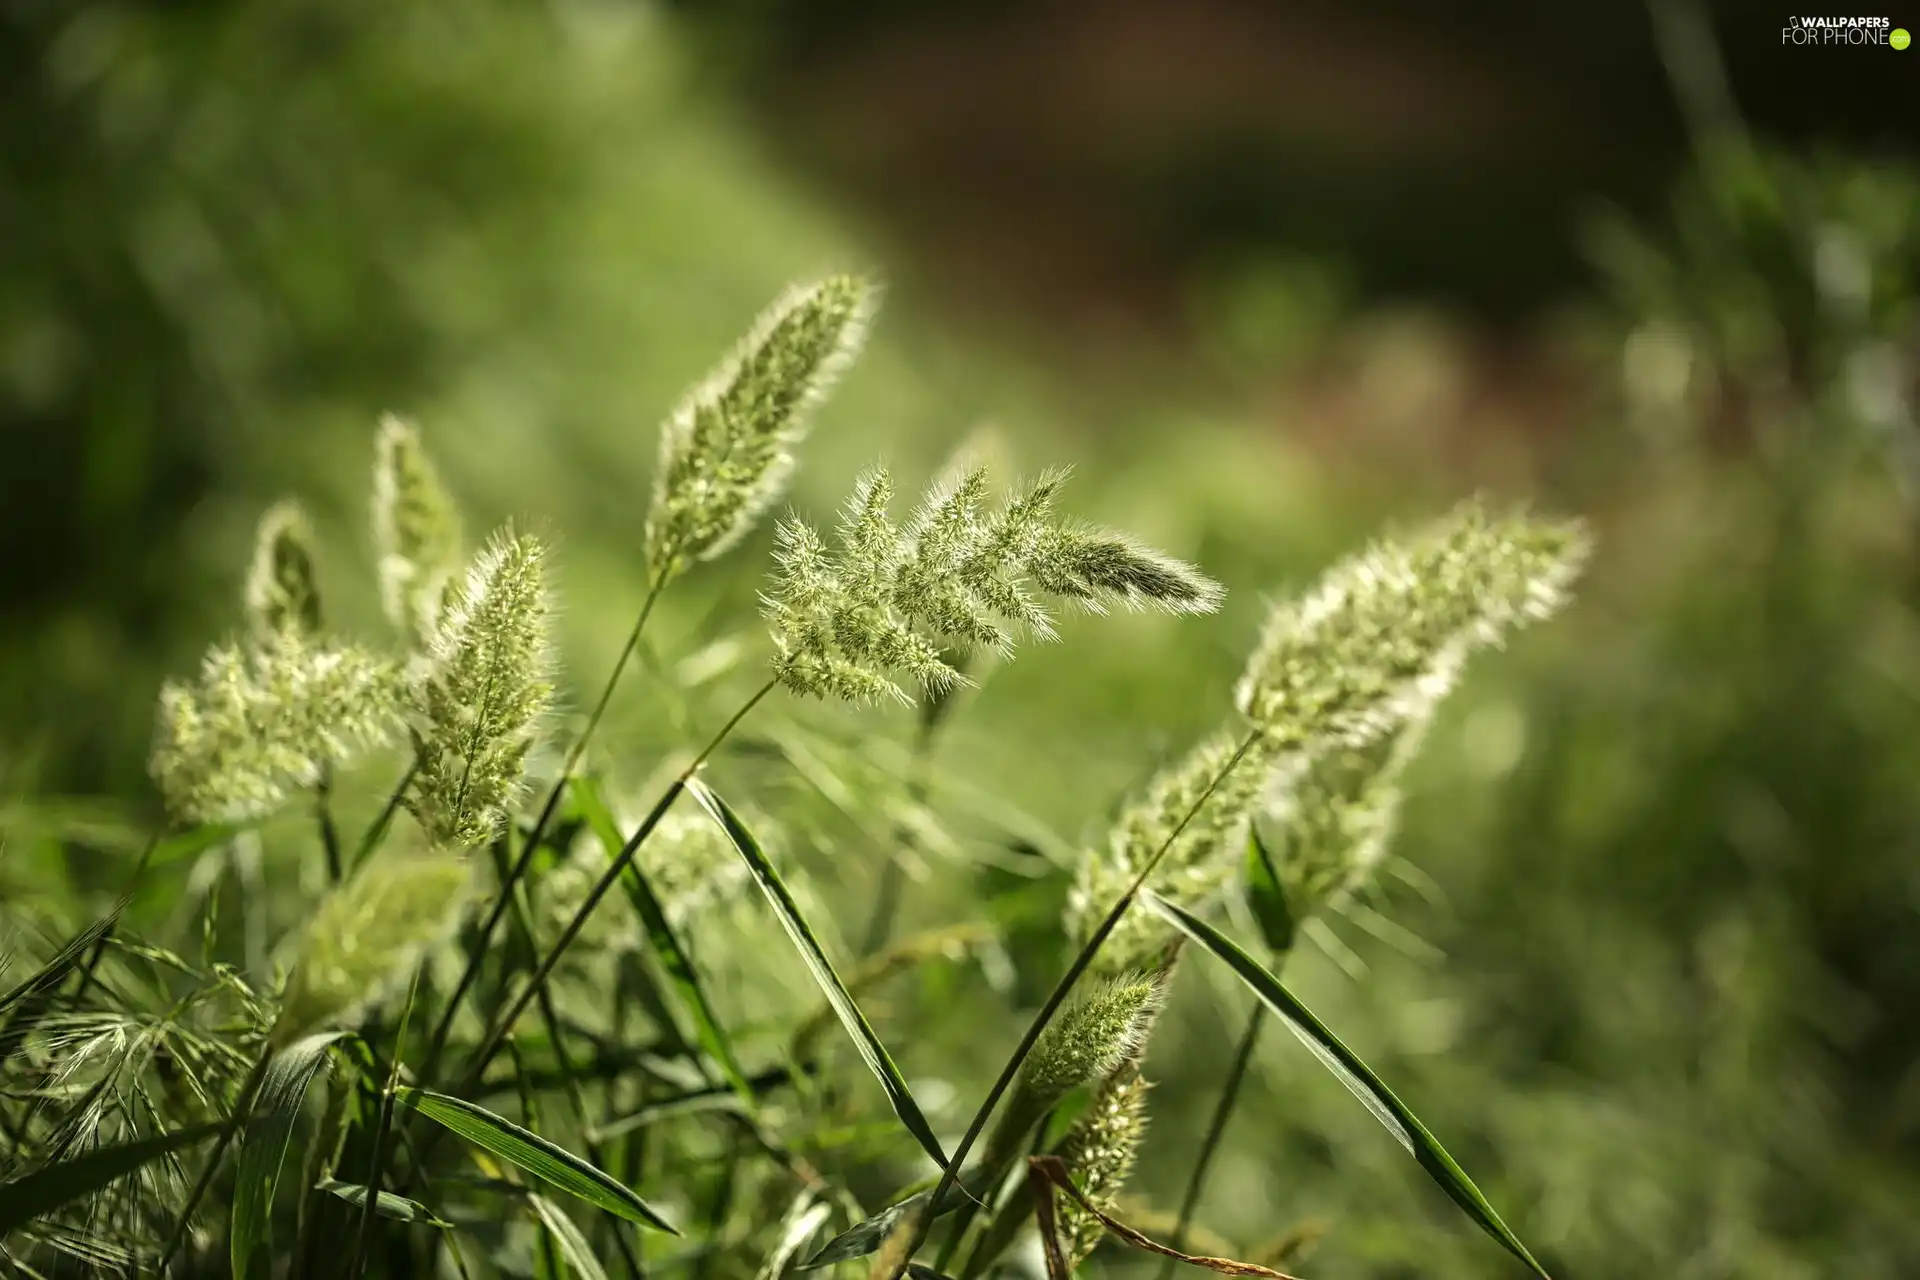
{"points": [[1216, 1130], [377, 1164], [490, 1044]]}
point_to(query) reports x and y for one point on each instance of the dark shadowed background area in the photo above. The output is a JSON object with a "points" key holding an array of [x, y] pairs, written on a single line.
{"points": [[1271, 275]]}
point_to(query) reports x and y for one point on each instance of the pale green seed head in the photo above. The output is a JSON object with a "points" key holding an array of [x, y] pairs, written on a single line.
{"points": [[1330, 830], [1200, 862], [416, 530], [726, 451], [1100, 1154], [1384, 634], [480, 693], [888, 601], [282, 593], [363, 942], [262, 722], [1094, 1036]]}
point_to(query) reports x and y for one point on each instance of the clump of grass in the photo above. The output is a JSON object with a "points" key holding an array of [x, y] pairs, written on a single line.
{"points": [[1329, 708]]}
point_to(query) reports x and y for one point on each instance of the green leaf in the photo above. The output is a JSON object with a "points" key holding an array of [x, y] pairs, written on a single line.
{"points": [[844, 1005], [802, 1219], [195, 841], [664, 943], [566, 1233], [534, 1154], [866, 1237], [1353, 1073], [1267, 898], [45, 1190], [387, 1204], [276, 1109]]}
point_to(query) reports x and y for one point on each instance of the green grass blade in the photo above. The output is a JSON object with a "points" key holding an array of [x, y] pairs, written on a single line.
{"points": [[1267, 898], [535, 1155], [566, 1233], [664, 942], [44, 1190], [803, 1218], [386, 1204], [54, 971], [866, 1237], [1353, 1073], [844, 1005], [276, 1109]]}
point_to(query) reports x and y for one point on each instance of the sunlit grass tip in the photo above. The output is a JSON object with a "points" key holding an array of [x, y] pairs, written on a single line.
{"points": [[889, 601], [1095, 1035], [1384, 634], [727, 449]]}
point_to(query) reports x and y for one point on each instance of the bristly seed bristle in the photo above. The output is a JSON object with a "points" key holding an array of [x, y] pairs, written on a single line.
{"points": [[1094, 1036]]}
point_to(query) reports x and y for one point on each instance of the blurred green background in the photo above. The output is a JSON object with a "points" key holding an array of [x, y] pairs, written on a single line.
{"points": [[1270, 275]]}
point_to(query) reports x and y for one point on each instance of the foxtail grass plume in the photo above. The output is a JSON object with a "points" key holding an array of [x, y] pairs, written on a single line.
{"points": [[1094, 1036], [363, 942], [416, 529], [1331, 828], [726, 451], [1338, 677], [1385, 633], [889, 601], [1100, 1154], [480, 694], [281, 591], [262, 722]]}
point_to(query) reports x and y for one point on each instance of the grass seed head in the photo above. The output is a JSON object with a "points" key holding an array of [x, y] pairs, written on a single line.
{"points": [[892, 602], [480, 693], [1094, 1036], [1100, 1154], [262, 721], [1384, 634], [416, 528], [363, 942], [281, 591], [726, 451]]}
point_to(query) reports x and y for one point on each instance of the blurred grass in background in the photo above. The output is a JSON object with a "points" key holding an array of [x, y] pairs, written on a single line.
{"points": [[1654, 947]]}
